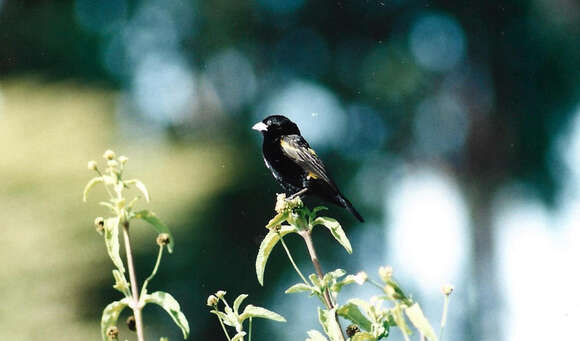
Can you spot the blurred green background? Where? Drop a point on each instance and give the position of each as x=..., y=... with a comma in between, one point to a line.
x=453, y=127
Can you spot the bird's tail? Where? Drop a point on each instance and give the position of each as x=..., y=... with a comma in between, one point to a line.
x=346, y=204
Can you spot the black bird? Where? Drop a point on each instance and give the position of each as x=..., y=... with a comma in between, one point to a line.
x=295, y=165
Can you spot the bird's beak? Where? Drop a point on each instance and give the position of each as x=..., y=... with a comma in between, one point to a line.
x=260, y=126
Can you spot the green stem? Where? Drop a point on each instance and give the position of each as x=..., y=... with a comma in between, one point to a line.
x=133, y=278
x=376, y=284
x=250, y=330
x=292, y=260
x=154, y=272
x=312, y=251
x=223, y=327
x=444, y=317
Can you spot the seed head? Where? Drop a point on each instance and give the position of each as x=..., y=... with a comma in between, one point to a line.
x=361, y=278
x=163, y=239
x=131, y=324
x=447, y=289
x=123, y=159
x=109, y=155
x=220, y=294
x=385, y=272
x=113, y=333
x=212, y=301
x=92, y=165
x=351, y=330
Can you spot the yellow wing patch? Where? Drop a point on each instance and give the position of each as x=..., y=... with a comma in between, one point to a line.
x=311, y=151
x=285, y=144
x=311, y=176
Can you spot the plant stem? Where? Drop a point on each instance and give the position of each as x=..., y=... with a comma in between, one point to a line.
x=133, y=278
x=444, y=317
x=312, y=251
x=223, y=327
x=250, y=330
x=154, y=272
x=376, y=284
x=292, y=260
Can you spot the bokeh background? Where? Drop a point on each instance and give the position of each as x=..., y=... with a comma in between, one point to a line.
x=453, y=126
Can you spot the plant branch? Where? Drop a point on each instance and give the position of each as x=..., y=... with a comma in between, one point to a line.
x=250, y=330
x=133, y=278
x=444, y=317
x=223, y=327
x=154, y=272
x=312, y=251
x=292, y=260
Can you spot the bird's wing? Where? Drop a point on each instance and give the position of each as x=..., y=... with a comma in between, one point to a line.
x=297, y=149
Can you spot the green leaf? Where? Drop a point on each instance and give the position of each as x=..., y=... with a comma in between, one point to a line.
x=336, y=229
x=397, y=314
x=418, y=319
x=277, y=220
x=300, y=287
x=266, y=248
x=157, y=224
x=329, y=324
x=225, y=318
x=111, y=315
x=90, y=185
x=140, y=186
x=253, y=311
x=351, y=312
x=239, y=336
x=315, y=335
x=112, y=242
x=363, y=336
x=171, y=306
x=239, y=301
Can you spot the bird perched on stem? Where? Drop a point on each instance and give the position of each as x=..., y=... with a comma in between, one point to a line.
x=295, y=165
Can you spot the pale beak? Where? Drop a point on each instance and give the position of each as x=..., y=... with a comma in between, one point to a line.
x=260, y=126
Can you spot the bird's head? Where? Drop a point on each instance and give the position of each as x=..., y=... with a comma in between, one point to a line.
x=276, y=125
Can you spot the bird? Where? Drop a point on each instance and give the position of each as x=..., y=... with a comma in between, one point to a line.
x=295, y=165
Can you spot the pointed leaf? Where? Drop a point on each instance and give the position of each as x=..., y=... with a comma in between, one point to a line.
x=172, y=307
x=112, y=242
x=351, y=312
x=253, y=311
x=239, y=336
x=397, y=314
x=157, y=224
x=266, y=248
x=140, y=186
x=300, y=287
x=315, y=335
x=336, y=229
x=90, y=185
x=329, y=324
x=239, y=301
x=121, y=283
x=111, y=315
x=418, y=319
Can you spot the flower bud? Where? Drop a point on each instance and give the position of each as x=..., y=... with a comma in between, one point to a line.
x=361, y=278
x=220, y=294
x=92, y=165
x=109, y=155
x=131, y=324
x=212, y=301
x=447, y=289
x=100, y=224
x=123, y=159
x=163, y=239
x=385, y=272
x=113, y=333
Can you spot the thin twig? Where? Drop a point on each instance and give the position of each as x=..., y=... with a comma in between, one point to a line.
x=133, y=279
x=250, y=330
x=223, y=327
x=292, y=259
x=154, y=272
x=444, y=317
x=312, y=251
